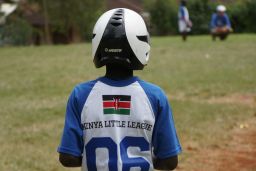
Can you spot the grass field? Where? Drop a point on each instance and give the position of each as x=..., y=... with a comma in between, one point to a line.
x=211, y=87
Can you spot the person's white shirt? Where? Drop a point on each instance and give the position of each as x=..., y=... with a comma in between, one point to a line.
x=183, y=19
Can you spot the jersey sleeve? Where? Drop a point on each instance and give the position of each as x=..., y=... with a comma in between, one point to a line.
x=182, y=13
x=72, y=138
x=227, y=21
x=165, y=141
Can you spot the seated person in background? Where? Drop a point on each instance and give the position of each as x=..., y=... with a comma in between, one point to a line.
x=220, y=23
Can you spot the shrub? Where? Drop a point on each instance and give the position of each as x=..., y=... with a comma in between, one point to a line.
x=163, y=16
x=16, y=31
x=200, y=12
x=251, y=16
x=243, y=15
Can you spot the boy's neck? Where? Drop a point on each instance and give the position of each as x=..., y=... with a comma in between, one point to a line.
x=117, y=72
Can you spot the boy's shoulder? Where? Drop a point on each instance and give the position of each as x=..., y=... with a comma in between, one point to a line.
x=151, y=89
x=155, y=94
x=86, y=84
x=84, y=87
x=149, y=85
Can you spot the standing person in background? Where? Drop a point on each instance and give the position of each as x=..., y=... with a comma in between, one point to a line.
x=183, y=20
x=220, y=24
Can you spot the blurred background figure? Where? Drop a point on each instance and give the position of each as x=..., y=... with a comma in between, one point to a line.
x=220, y=24
x=6, y=8
x=183, y=20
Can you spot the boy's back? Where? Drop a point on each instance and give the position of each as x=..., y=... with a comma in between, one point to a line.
x=121, y=121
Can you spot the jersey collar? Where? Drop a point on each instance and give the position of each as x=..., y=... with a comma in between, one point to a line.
x=119, y=83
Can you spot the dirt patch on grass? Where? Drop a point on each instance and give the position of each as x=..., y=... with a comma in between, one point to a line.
x=237, y=153
x=246, y=99
x=240, y=99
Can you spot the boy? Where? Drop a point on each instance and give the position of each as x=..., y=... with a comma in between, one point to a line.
x=119, y=122
x=183, y=20
x=220, y=24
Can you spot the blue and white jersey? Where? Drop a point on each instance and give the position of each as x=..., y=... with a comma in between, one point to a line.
x=119, y=125
x=183, y=13
x=220, y=21
x=183, y=19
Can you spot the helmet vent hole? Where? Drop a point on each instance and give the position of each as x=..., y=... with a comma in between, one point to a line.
x=115, y=24
x=117, y=18
x=143, y=38
x=118, y=14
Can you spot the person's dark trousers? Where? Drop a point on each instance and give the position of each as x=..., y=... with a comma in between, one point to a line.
x=184, y=36
x=222, y=36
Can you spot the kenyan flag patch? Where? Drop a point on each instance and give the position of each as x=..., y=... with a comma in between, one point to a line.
x=116, y=104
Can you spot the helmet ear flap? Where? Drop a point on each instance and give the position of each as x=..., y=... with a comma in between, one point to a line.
x=119, y=42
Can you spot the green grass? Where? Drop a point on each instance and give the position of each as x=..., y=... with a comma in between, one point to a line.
x=35, y=83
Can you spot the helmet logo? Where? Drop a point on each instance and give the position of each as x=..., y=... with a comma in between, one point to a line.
x=113, y=50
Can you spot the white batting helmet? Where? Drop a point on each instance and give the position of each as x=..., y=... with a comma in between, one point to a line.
x=221, y=8
x=120, y=36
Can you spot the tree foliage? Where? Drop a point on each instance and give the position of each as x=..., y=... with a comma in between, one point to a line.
x=243, y=15
x=163, y=15
x=16, y=32
x=200, y=12
x=75, y=14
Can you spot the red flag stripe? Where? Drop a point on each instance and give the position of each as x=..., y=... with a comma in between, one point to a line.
x=120, y=104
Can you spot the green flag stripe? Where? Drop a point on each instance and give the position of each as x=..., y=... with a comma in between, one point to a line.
x=118, y=111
